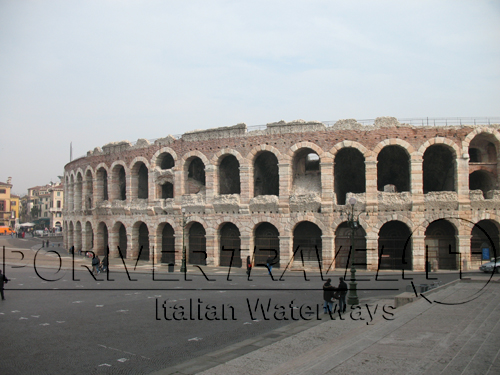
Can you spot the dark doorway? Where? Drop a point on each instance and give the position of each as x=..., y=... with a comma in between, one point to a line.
x=343, y=247
x=197, y=245
x=394, y=244
x=267, y=244
x=307, y=244
x=349, y=173
x=230, y=243
x=167, y=244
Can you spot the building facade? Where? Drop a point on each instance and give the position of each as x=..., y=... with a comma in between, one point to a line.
x=418, y=194
x=9, y=205
x=45, y=205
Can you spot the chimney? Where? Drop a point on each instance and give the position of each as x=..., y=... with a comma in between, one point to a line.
x=9, y=180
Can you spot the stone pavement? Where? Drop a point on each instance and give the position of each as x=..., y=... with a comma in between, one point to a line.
x=424, y=338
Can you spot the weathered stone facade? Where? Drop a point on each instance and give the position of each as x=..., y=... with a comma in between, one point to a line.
x=288, y=187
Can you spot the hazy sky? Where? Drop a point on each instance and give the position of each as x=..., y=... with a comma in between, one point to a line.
x=93, y=72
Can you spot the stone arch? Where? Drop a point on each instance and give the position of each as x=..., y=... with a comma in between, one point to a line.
x=440, y=245
x=368, y=154
x=119, y=173
x=102, y=239
x=393, y=171
x=345, y=254
x=301, y=145
x=306, y=171
x=440, y=141
x=194, y=167
x=439, y=167
x=395, y=246
x=349, y=173
x=166, y=233
x=88, y=189
x=161, y=151
x=282, y=158
x=101, y=176
x=480, y=130
x=228, y=174
x=78, y=237
x=197, y=243
x=307, y=242
x=139, y=171
x=266, y=244
x=119, y=235
x=266, y=174
x=409, y=149
x=229, y=245
x=484, y=235
x=89, y=236
x=140, y=240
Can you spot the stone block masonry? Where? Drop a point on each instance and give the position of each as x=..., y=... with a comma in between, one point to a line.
x=423, y=194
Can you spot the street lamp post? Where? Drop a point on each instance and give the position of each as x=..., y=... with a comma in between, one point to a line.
x=183, y=265
x=353, y=222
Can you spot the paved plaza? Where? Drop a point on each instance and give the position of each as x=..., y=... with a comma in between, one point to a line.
x=80, y=325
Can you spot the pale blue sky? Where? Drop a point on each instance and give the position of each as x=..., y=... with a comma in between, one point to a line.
x=93, y=72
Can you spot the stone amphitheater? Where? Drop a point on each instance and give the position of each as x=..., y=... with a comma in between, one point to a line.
x=420, y=193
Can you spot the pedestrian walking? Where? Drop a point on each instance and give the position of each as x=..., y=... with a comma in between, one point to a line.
x=328, y=296
x=47, y=243
x=3, y=280
x=104, y=263
x=342, y=289
x=249, y=265
x=269, y=263
x=95, y=264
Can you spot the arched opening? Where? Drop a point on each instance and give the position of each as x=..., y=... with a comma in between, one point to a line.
x=197, y=244
x=482, y=149
x=89, y=191
x=266, y=174
x=165, y=161
x=484, y=237
x=142, y=233
x=195, y=176
x=440, y=245
x=78, y=191
x=140, y=180
x=71, y=231
x=343, y=254
x=394, y=246
x=78, y=237
x=119, y=186
x=475, y=155
x=102, y=239
x=267, y=244
x=102, y=185
x=439, y=169
x=167, y=190
x=481, y=180
x=167, y=244
x=349, y=173
x=230, y=243
x=229, y=175
x=307, y=244
x=89, y=236
x=122, y=240
x=306, y=172
x=393, y=169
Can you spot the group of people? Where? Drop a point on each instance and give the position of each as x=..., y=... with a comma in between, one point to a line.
x=98, y=265
x=332, y=294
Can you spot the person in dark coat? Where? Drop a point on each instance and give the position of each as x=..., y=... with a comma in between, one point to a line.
x=95, y=264
x=104, y=263
x=249, y=265
x=342, y=289
x=328, y=295
x=3, y=280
